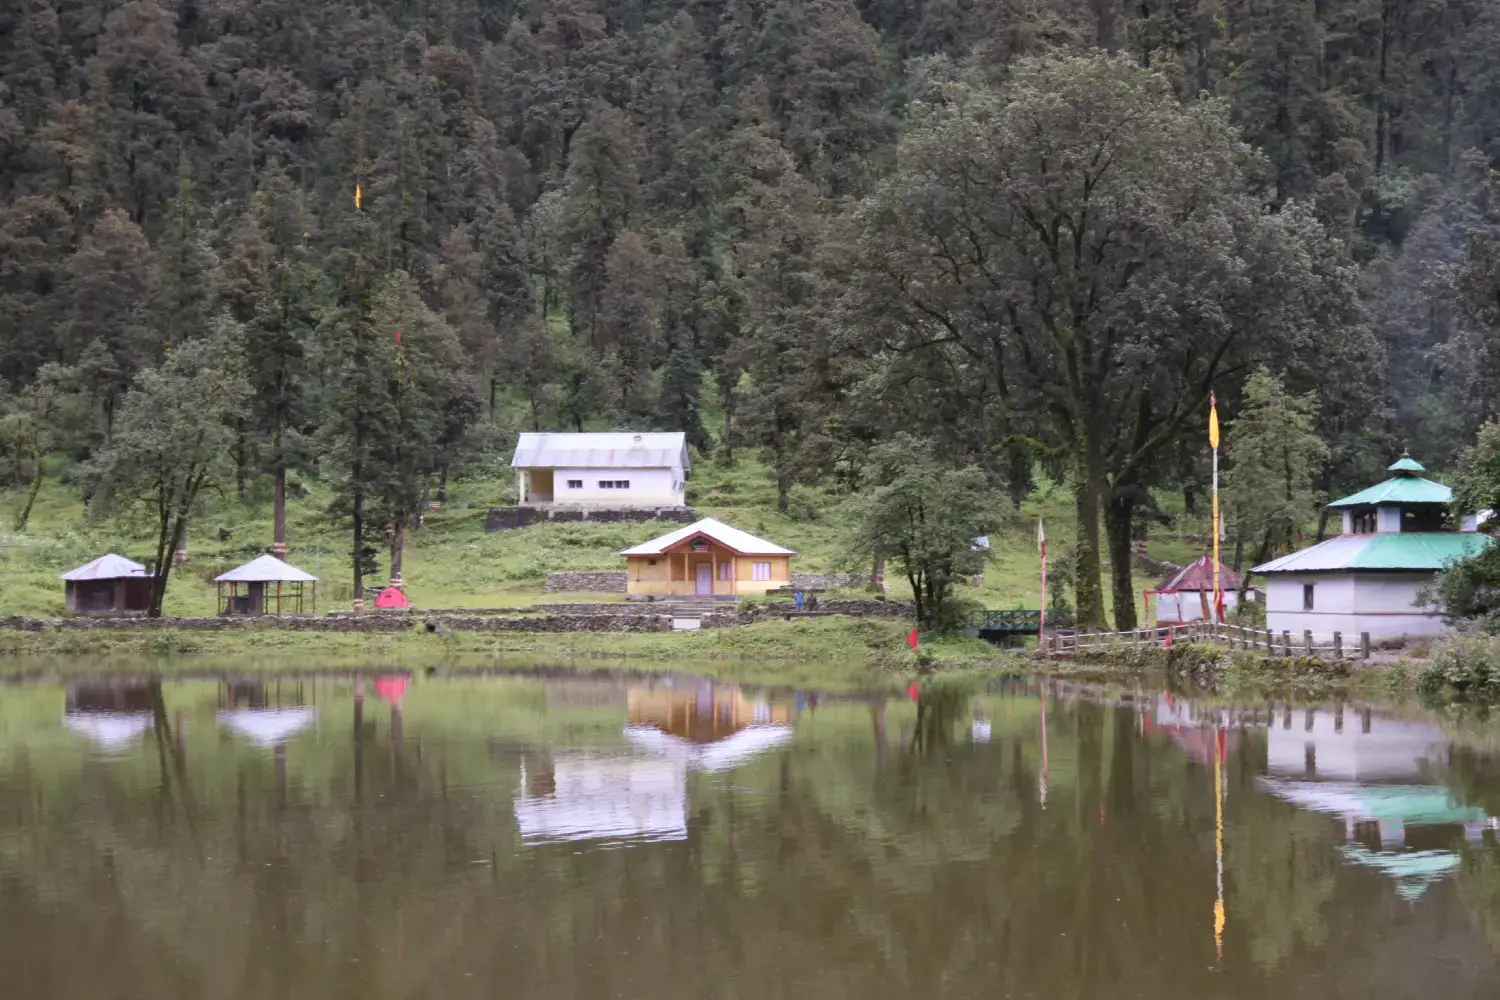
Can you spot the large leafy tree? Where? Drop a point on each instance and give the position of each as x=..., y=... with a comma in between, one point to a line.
x=1081, y=257
x=173, y=440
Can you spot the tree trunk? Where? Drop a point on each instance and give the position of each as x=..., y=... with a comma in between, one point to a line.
x=443, y=485
x=1086, y=587
x=398, y=546
x=278, y=515
x=24, y=514
x=359, y=541
x=167, y=541
x=1119, y=519
x=494, y=384
x=877, y=571
x=1260, y=557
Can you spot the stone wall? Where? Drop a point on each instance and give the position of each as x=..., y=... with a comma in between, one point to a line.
x=371, y=623
x=860, y=609
x=827, y=581
x=508, y=518
x=601, y=582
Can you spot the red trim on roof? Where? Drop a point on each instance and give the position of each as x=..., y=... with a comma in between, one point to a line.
x=690, y=539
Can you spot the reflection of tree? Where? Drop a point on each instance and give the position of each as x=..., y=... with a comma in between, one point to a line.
x=813, y=871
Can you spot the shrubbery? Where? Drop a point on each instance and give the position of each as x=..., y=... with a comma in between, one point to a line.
x=1466, y=666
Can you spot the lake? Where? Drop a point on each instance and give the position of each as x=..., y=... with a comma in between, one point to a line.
x=674, y=839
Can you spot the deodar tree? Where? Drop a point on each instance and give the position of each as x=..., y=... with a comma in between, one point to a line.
x=172, y=441
x=1079, y=257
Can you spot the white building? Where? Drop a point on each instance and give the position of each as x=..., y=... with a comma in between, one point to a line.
x=1188, y=594
x=1368, y=578
x=602, y=469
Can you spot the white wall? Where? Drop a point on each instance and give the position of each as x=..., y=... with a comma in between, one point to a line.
x=1187, y=605
x=1383, y=605
x=1388, y=518
x=1393, y=749
x=647, y=487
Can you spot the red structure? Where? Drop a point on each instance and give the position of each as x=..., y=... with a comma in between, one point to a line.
x=1188, y=594
x=392, y=598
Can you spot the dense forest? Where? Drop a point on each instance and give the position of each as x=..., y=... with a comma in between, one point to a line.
x=246, y=238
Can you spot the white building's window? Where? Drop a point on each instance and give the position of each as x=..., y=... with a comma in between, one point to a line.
x=762, y=571
x=1307, y=597
x=614, y=484
x=726, y=571
x=575, y=484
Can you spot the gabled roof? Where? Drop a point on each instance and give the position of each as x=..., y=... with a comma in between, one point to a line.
x=106, y=567
x=741, y=542
x=1392, y=550
x=616, y=450
x=267, y=727
x=1199, y=575
x=266, y=569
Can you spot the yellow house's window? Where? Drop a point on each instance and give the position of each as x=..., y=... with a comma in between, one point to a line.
x=761, y=571
x=726, y=571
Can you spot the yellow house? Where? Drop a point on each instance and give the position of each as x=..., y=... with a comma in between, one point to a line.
x=707, y=559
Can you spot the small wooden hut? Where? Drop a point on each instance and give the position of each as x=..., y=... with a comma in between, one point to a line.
x=267, y=586
x=110, y=585
x=707, y=559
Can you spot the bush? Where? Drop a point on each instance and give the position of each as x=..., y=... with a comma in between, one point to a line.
x=803, y=504
x=1250, y=614
x=1466, y=667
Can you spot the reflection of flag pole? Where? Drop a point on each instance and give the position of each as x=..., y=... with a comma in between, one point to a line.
x=1219, y=843
x=1041, y=627
x=1043, y=693
x=1213, y=442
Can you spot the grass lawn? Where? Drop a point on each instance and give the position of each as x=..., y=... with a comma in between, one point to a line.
x=453, y=562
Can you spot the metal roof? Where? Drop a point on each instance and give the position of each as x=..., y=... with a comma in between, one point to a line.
x=1391, y=550
x=266, y=569
x=106, y=567
x=742, y=542
x=1199, y=575
x=616, y=450
x=268, y=727
x=1399, y=490
x=1405, y=464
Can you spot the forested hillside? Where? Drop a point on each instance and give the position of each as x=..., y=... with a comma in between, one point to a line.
x=242, y=239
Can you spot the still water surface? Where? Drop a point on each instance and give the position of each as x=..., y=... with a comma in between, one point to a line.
x=675, y=840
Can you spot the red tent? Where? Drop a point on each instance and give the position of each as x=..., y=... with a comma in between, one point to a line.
x=392, y=597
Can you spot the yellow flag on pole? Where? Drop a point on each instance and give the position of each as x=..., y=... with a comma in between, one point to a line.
x=357, y=196
x=1213, y=422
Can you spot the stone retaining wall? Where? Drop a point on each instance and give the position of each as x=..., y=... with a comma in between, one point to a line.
x=510, y=518
x=371, y=623
x=860, y=609
x=827, y=581
x=603, y=582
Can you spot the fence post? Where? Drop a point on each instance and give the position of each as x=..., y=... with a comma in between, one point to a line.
x=1364, y=645
x=1307, y=642
x=1286, y=642
x=1338, y=645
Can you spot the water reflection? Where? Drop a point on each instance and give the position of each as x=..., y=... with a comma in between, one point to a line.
x=413, y=836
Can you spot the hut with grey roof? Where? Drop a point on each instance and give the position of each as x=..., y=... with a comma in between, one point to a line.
x=267, y=586
x=110, y=585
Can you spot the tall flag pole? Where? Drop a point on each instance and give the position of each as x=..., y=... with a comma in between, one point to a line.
x=1213, y=442
x=1041, y=547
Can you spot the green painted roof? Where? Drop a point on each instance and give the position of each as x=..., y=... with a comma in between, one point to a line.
x=1395, y=550
x=1399, y=490
x=1405, y=464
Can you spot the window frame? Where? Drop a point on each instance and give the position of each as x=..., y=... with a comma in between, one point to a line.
x=575, y=484
x=726, y=572
x=758, y=568
x=1309, y=596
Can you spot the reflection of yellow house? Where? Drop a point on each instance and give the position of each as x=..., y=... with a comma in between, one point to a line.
x=707, y=559
x=704, y=715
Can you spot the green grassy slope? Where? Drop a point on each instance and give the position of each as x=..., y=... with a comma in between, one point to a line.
x=453, y=562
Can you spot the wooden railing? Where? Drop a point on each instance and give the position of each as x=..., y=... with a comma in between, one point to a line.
x=1336, y=646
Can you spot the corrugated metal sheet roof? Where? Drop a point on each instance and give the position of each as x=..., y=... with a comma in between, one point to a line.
x=1400, y=489
x=742, y=542
x=1405, y=464
x=1199, y=575
x=106, y=567
x=266, y=569
x=1395, y=550
x=622, y=450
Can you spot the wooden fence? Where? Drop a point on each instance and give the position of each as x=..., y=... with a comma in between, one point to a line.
x=1336, y=646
